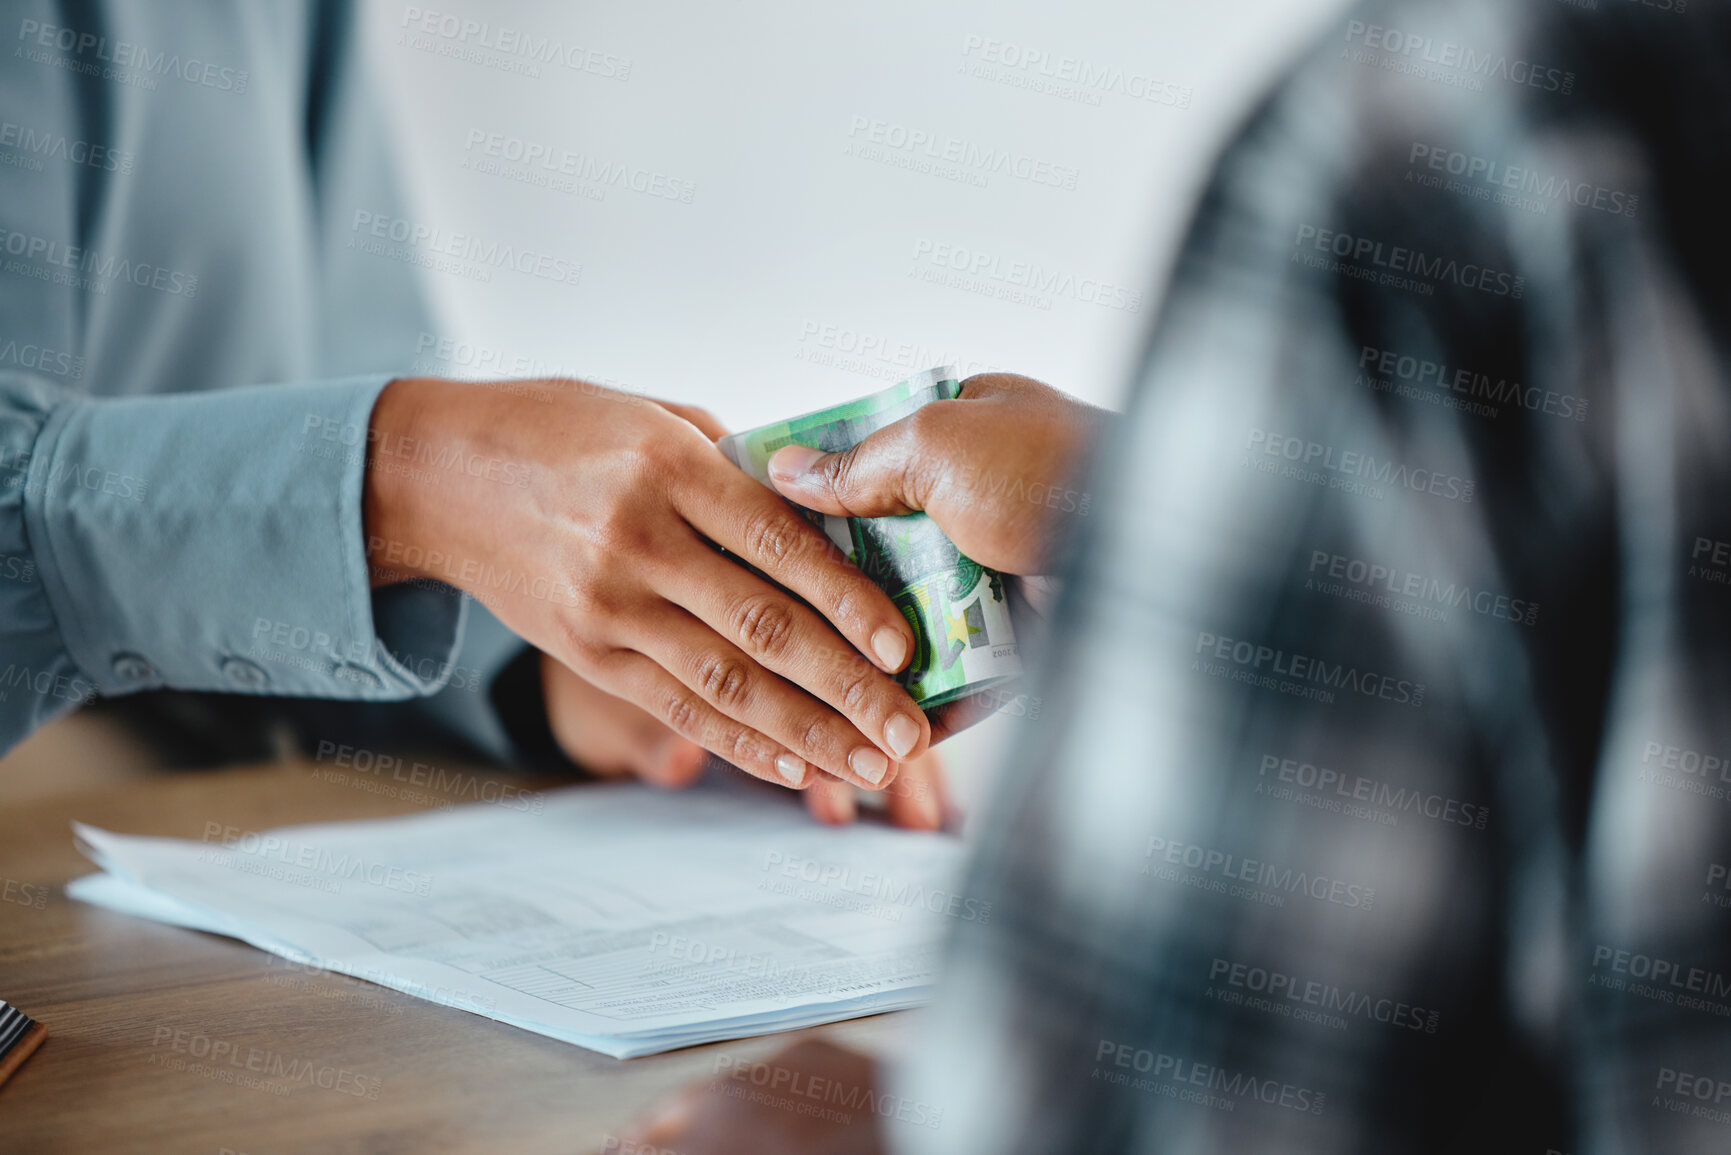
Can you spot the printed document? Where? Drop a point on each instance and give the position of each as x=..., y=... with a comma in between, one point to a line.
x=615, y=917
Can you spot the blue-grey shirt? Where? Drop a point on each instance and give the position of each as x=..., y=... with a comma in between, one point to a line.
x=191, y=344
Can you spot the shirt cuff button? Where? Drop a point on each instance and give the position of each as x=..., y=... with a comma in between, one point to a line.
x=133, y=668
x=244, y=674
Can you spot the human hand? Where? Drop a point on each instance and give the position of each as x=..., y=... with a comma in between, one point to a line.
x=611, y=738
x=724, y=1117
x=583, y=518
x=995, y=468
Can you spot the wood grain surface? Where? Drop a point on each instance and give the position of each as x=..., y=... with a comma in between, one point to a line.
x=113, y=991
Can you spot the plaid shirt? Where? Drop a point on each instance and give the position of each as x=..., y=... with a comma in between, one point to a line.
x=1380, y=798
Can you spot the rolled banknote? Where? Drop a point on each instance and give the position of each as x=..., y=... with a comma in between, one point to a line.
x=959, y=609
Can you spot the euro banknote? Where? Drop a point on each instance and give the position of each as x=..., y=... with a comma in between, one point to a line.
x=959, y=610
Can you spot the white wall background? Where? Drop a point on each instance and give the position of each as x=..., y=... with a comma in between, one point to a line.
x=784, y=284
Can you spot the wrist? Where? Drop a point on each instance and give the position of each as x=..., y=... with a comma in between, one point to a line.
x=392, y=500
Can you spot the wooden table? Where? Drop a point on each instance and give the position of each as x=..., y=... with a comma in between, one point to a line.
x=113, y=990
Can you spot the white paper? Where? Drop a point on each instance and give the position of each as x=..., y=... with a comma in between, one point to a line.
x=618, y=918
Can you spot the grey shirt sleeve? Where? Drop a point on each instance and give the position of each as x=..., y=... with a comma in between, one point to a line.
x=202, y=542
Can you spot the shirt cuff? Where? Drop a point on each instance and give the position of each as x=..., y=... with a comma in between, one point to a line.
x=213, y=541
x=38, y=678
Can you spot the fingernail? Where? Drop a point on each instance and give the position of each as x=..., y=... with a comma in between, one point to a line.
x=869, y=764
x=891, y=647
x=790, y=465
x=901, y=732
x=790, y=768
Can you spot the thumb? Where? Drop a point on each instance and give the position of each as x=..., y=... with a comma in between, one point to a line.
x=876, y=478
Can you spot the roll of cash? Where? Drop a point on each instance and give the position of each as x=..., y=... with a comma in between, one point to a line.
x=959, y=610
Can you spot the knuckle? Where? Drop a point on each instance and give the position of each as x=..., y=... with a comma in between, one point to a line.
x=588, y=603
x=724, y=681
x=682, y=713
x=921, y=478
x=770, y=538
x=848, y=601
x=921, y=471
x=839, y=471
x=814, y=739
x=669, y=457
x=621, y=532
x=920, y=422
x=929, y=425
x=652, y=456
x=764, y=624
x=649, y=442
x=582, y=648
x=856, y=684
x=742, y=746
x=634, y=454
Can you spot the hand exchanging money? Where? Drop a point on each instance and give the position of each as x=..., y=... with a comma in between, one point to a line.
x=997, y=468
x=611, y=738
x=583, y=518
x=964, y=638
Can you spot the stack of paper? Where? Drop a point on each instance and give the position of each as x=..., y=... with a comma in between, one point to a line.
x=617, y=918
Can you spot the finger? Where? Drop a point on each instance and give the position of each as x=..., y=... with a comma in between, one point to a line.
x=983, y=385
x=790, y=639
x=635, y=676
x=673, y=763
x=831, y=801
x=890, y=473
x=917, y=799
x=952, y=718
x=731, y=682
x=610, y=737
x=737, y=513
x=664, y=1122
x=702, y=418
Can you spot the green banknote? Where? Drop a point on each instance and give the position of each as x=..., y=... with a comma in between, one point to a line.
x=959, y=609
